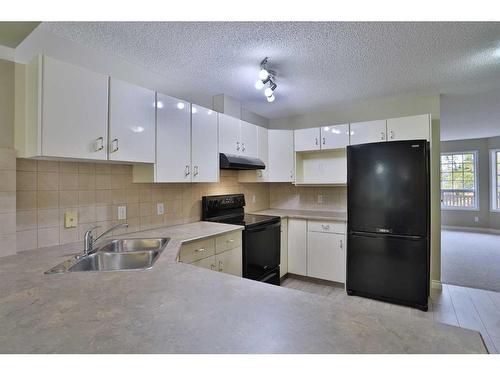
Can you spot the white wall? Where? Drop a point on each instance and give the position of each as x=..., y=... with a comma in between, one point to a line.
x=470, y=116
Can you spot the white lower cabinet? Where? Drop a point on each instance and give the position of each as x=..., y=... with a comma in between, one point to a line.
x=284, y=247
x=222, y=253
x=325, y=256
x=297, y=246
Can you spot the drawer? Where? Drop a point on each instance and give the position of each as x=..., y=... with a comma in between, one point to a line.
x=194, y=251
x=228, y=242
x=326, y=226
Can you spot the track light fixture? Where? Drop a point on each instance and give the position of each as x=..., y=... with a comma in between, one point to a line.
x=266, y=77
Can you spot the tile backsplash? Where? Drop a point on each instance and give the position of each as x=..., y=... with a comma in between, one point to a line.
x=288, y=196
x=48, y=189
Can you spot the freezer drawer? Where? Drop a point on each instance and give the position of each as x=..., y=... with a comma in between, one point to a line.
x=389, y=268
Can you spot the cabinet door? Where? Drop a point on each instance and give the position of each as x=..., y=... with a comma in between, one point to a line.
x=173, y=140
x=229, y=134
x=74, y=111
x=260, y=175
x=284, y=248
x=408, y=128
x=307, y=139
x=280, y=156
x=208, y=263
x=249, y=139
x=335, y=136
x=368, y=132
x=204, y=145
x=325, y=256
x=230, y=262
x=297, y=247
x=131, y=122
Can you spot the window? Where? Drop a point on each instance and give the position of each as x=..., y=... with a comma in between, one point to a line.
x=459, y=180
x=495, y=180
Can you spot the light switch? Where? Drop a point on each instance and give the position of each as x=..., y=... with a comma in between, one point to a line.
x=160, y=209
x=70, y=219
x=122, y=212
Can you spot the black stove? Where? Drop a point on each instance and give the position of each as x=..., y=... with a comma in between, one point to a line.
x=261, y=236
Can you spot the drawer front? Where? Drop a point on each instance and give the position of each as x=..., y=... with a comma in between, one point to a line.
x=194, y=251
x=228, y=242
x=326, y=226
x=208, y=263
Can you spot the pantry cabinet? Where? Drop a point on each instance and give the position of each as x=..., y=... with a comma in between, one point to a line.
x=297, y=246
x=408, y=128
x=131, y=123
x=66, y=112
x=368, y=132
x=237, y=137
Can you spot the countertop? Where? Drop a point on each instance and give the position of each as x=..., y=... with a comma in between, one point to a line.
x=179, y=308
x=305, y=214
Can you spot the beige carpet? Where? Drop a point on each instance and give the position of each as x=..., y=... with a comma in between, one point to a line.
x=470, y=259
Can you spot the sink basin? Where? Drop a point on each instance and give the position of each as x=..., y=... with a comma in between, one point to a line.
x=116, y=255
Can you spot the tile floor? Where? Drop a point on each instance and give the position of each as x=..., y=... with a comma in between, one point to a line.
x=475, y=309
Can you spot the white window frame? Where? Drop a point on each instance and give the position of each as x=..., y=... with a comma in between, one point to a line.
x=476, y=181
x=493, y=180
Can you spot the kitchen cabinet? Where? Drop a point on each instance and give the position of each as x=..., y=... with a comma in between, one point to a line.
x=204, y=145
x=131, y=123
x=297, y=246
x=66, y=112
x=334, y=136
x=368, y=132
x=325, y=256
x=280, y=156
x=410, y=127
x=222, y=253
x=237, y=137
x=249, y=139
x=260, y=175
x=284, y=247
x=307, y=139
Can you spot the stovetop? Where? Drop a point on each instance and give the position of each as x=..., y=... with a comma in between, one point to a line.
x=247, y=220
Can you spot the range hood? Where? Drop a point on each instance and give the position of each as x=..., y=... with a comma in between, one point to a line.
x=231, y=161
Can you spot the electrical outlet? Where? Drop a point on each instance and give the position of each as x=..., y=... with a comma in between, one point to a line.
x=254, y=199
x=122, y=212
x=320, y=198
x=70, y=219
x=160, y=209
x=476, y=219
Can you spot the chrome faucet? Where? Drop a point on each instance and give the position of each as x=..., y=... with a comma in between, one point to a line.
x=89, y=240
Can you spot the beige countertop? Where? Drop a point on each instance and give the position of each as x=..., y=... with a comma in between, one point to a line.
x=305, y=214
x=179, y=308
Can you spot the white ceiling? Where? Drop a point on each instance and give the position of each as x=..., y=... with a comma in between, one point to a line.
x=317, y=64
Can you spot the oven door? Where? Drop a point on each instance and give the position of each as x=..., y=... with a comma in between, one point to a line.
x=261, y=250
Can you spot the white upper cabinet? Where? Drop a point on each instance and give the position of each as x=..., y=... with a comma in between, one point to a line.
x=334, y=136
x=173, y=138
x=280, y=159
x=131, y=123
x=66, y=112
x=248, y=139
x=229, y=135
x=407, y=128
x=307, y=139
x=204, y=145
x=260, y=175
x=368, y=132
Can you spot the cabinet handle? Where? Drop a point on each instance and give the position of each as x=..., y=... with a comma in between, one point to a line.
x=325, y=226
x=221, y=266
x=243, y=147
x=341, y=244
x=230, y=241
x=187, y=171
x=237, y=146
x=195, y=170
x=382, y=136
x=316, y=141
x=291, y=174
x=323, y=140
x=392, y=134
x=212, y=267
x=99, y=144
x=200, y=250
x=114, y=145
x=259, y=173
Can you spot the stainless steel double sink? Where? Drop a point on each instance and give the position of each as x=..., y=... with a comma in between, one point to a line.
x=116, y=255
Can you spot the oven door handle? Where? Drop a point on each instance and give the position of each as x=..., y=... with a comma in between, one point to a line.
x=263, y=227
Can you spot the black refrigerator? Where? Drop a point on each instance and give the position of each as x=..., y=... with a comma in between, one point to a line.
x=388, y=222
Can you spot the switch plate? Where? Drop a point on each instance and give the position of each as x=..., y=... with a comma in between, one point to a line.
x=254, y=199
x=320, y=198
x=122, y=212
x=70, y=219
x=160, y=209
x=476, y=219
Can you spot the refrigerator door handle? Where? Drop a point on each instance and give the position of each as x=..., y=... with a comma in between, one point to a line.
x=382, y=235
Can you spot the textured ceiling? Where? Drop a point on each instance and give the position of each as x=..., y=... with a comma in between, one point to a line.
x=13, y=33
x=317, y=64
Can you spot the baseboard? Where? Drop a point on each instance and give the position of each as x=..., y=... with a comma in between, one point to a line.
x=471, y=229
x=436, y=284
